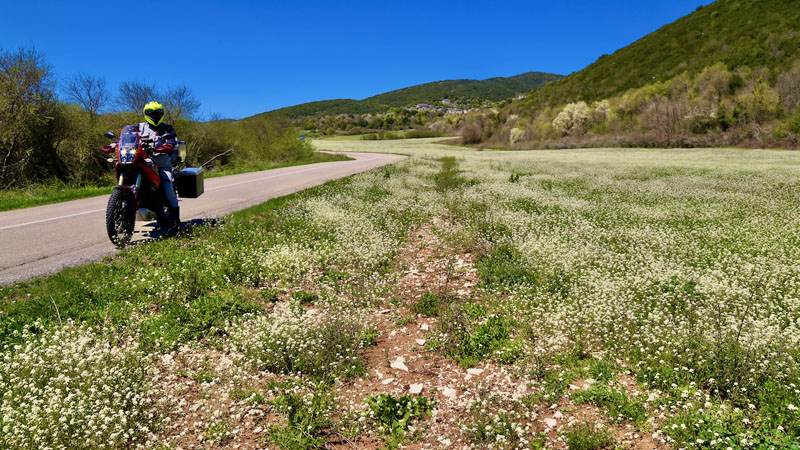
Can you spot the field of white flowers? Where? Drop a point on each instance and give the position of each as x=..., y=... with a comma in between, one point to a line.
x=644, y=294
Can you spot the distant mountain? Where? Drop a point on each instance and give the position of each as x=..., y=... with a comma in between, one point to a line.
x=752, y=33
x=494, y=89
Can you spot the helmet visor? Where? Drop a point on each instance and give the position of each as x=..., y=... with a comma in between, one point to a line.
x=155, y=115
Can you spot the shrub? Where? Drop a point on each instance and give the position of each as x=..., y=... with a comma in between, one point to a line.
x=516, y=135
x=428, y=305
x=323, y=348
x=471, y=132
x=572, y=118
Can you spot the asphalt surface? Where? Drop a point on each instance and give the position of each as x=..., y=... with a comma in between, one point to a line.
x=42, y=240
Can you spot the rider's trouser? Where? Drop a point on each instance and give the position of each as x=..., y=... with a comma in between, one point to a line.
x=167, y=177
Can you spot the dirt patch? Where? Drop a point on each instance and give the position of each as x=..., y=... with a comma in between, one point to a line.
x=211, y=393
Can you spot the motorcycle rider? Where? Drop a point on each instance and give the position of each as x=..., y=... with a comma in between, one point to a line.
x=164, y=139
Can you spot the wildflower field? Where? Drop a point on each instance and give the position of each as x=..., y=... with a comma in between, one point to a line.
x=571, y=299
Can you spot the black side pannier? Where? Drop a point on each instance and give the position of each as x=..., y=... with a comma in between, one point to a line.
x=190, y=182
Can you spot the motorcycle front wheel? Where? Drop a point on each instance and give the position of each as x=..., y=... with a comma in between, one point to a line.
x=120, y=218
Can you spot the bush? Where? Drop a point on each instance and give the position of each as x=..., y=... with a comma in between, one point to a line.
x=516, y=135
x=471, y=132
x=572, y=118
x=322, y=348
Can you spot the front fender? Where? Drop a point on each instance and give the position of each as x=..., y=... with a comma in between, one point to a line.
x=130, y=192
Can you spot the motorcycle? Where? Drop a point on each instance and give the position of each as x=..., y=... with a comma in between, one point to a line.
x=139, y=188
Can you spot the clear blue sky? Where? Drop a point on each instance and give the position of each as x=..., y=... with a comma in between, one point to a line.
x=241, y=58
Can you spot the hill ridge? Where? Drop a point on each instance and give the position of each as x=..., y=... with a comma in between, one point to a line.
x=493, y=89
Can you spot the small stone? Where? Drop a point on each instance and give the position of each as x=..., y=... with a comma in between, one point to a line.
x=551, y=423
x=558, y=415
x=224, y=363
x=474, y=371
x=400, y=364
x=449, y=392
x=258, y=430
x=420, y=341
x=415, y=388
x=424, y=327
x=385, y=311
x=574, y=387
x=386, y=381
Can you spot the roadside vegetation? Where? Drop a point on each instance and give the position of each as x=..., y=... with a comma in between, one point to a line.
x=556, y=299
x=53, y=133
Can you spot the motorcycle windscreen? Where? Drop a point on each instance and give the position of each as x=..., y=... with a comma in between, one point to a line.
x=128, y=143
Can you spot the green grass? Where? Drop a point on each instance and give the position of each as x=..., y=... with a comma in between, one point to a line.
x=392, y=135
x=99, y=292
x=43, y=194
x=618, y=405
x=588, y=437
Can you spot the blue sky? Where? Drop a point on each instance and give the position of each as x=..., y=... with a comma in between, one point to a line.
x=241, y=58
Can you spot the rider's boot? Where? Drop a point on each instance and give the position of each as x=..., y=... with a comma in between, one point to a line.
x=175, y=215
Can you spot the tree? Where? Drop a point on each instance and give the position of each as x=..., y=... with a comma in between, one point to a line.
x=572, y=118
x=88, y=92
x=133, y=95
x=27, y=107
x=181, y=102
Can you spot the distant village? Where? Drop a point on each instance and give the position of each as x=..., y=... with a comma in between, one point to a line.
x=450, y=107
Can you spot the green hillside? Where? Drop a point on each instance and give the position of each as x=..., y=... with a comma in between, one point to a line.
x=494, y=89
x=329, y=107
x=753, y=33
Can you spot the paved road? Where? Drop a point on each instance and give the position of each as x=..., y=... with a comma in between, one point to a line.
x=39, y=241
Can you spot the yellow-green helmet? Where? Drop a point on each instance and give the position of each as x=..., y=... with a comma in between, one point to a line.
x=153, y=113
